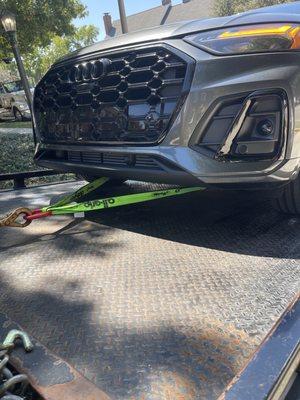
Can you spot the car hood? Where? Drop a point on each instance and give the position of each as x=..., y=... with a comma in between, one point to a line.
x=289, y=12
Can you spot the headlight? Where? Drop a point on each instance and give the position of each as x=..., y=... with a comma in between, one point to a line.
x=249, y=39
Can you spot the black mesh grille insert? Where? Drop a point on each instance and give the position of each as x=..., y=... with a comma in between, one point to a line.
x=128, y=97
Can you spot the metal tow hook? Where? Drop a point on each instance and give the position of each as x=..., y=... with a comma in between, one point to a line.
x=11, y=219
x=10, y=383
x=3, y=362
x=12, y=336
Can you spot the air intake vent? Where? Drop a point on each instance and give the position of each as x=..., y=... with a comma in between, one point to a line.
x=114, y=159
x=246, y=127
x=220, y=124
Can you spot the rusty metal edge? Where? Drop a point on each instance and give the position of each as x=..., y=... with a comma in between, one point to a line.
x=254, y=386
x=52, y=377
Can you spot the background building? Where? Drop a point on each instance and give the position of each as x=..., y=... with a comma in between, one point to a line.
x=166, y=13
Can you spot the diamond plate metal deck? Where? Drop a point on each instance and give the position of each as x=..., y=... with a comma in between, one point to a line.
x=157, y=301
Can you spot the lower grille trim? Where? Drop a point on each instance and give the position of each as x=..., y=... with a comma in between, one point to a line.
x=114, y=159
x=166, y=172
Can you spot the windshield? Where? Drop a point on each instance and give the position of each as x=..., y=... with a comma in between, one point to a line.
x=13, y=86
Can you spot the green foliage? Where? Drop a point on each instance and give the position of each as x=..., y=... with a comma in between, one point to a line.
x=229, y=7
x=39, y=20
x=16, y=124
x=7, y=73
x=41, y=58
x=16, y=155
x=17, y=152
x=83, y=36
x=45, y=33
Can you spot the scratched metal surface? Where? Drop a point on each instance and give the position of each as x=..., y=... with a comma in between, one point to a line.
x=160, y=301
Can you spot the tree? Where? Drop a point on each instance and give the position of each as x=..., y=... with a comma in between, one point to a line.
x=229, y=7
x=7, y=73
x=39, y=20
x=41, y=58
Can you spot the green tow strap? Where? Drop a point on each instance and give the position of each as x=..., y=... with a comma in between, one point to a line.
x=84, y=190
x=69, y=204
x=64, y=207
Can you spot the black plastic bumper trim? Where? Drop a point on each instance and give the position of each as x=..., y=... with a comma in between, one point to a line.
x=156, y=176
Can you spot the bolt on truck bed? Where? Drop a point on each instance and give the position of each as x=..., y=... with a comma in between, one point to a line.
x=154, y=301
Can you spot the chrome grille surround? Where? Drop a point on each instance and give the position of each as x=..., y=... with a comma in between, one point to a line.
x=121, y=97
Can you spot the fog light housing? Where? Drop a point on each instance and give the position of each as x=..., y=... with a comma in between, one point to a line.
x=265, y=127
x=245, y=127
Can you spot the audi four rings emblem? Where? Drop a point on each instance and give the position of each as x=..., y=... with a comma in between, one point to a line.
x=87, y=71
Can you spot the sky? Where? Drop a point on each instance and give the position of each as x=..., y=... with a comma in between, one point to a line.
x=97, y=8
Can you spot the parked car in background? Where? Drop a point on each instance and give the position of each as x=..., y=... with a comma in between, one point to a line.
x=13, y=102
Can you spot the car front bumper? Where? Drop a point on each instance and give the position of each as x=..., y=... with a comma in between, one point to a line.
x=179, y=162
x=191, y=169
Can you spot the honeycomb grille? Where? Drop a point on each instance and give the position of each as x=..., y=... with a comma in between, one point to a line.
x=129, y=97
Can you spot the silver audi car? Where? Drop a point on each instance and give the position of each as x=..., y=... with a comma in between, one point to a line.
x=212, y=102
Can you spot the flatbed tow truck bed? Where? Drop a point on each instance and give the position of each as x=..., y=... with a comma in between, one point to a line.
x=165, y=300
